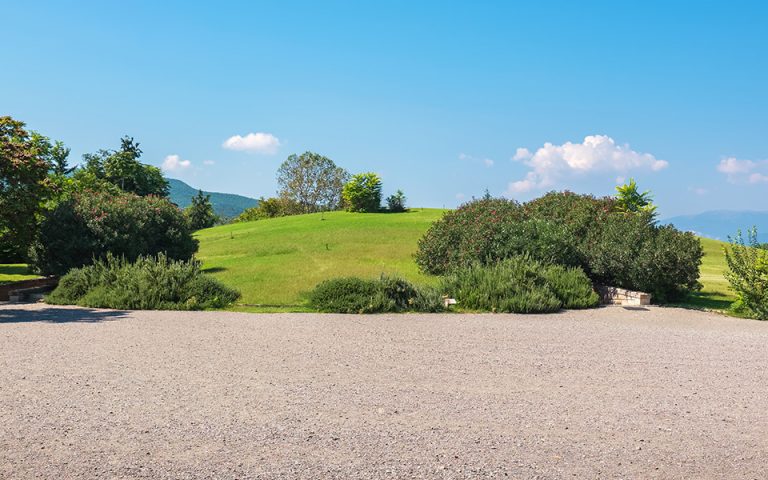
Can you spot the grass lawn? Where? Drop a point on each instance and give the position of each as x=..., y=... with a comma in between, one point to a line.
x=275, y=262
x=14, y=272
x=717, y=293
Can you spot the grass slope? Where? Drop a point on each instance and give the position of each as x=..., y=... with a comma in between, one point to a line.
x=274, y=262
x=14, y=273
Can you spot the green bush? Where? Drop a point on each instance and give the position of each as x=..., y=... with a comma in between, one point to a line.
x=488, y=230
x=387, y=294
x=91, y=224
x=520, y=285
x=748, y=275
x=362, y=193
x=270, y=208
x=149, y=283
x=621, y=249
x=396, y=202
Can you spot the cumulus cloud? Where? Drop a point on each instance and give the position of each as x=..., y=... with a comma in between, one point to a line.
x=550, y=163
x=744, y=171
x=258, y=142
x=174, y=163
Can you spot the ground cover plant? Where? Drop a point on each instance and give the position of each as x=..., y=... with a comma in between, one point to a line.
x=520, y=284
x=148, y=283
x=383, y=295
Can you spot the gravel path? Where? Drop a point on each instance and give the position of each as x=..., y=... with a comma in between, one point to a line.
x=607, y=393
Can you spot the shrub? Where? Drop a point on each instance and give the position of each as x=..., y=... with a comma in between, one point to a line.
x=149, y=283
x=387, y=294
x=396, y=202
x=488, y=230
x=520, y=285
x=362, y=193
x=622, y=249
x=90, y=224
x=270, y=208
x=748, y=275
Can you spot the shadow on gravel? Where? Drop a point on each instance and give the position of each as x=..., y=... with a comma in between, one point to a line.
x=59, y=315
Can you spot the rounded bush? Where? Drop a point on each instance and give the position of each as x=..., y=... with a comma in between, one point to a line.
x=91, y=224
x=387, y=294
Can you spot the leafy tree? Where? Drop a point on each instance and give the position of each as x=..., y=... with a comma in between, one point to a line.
x=396, y=202
x=200, y=213
x=363, y=193
x=630, y=200
x=748, y=275
x=270, y=208
x=312, y=181
x=122, y=168
x=24, y=186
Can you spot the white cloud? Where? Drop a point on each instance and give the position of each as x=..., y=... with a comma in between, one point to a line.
x=485, y=161
x=174, y=163
x=209, y=162
x=744, y=171
x=550, y=163
x=258, y=142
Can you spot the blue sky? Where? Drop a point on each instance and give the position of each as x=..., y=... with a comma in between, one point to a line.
x=443, y=99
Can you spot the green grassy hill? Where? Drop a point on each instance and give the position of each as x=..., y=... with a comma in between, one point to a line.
x=275, y=261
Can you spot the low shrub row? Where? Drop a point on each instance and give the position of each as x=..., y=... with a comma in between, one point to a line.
x=383, y=295
x=148, y=283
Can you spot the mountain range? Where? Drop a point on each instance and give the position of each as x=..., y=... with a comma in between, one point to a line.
x=721, y=224
x=226, y=205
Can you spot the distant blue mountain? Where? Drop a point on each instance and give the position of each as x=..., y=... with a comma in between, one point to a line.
x=226, y=205
x=721, y=224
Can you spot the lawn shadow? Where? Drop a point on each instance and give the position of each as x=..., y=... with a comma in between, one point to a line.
x=59, y=315
x=214, y=270
x=14, y=270
x=707, y=301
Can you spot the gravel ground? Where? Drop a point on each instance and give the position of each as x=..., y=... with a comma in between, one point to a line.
x=607, y=393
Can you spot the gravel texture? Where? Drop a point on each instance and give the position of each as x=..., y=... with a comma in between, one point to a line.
x=607, y=393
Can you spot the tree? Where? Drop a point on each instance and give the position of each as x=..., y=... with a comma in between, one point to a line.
x=630, y=200
x=396, y=202
x=200, y=213
x=311, y=180
x=24, y=186
x=363, y=193
x=122, y=168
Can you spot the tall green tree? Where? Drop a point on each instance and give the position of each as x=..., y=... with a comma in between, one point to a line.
x=24, y=186
x=200, y=212
x=123, y=169
x=363, y=193
x=312, y=181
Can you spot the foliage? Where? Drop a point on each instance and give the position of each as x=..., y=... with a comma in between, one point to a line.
x=630, y=200
x=148, y=283
x=24, y=186
x=614, y=248
x=396, y=202
x=312, y=181
x=748, y=274
x=362, y=193
x=200, y=213
x=387, y=294
x=488, y=230
x=270, y=208
x=123, y=169
x=520, y=284
x=88, y=225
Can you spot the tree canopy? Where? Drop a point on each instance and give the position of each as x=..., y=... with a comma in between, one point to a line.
x=313, y=181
